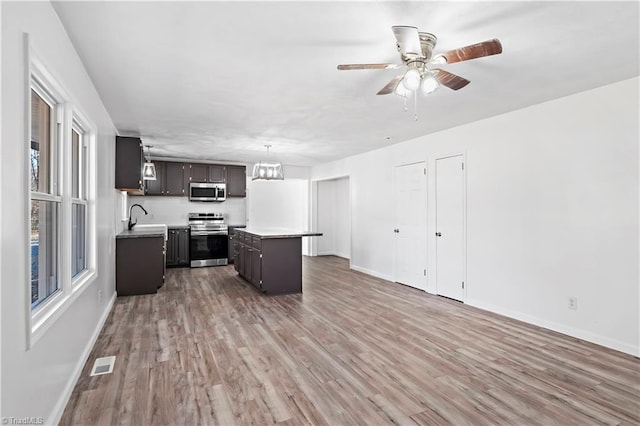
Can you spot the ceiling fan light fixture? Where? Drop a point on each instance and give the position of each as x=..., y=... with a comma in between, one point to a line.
x=429, y=84
x=400, y=90
x=411, y=79
x=439, y=60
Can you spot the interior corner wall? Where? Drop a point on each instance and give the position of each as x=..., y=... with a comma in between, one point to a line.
x=333, y=218
x=36, y=382
x=342, y=241
x=552, y=211
x=326, y=217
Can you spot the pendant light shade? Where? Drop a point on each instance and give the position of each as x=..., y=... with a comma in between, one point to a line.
x=149, y=169
x=267, y=171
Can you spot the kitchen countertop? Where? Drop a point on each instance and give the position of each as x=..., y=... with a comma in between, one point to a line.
x=144, y=231
x=280, y=233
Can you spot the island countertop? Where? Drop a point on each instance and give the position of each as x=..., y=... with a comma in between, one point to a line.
x=265, y=233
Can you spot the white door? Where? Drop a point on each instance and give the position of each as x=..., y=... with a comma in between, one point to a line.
x=450, y=238
x=411, y=225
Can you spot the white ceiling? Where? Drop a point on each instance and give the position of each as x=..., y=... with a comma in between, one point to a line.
x=219, y=80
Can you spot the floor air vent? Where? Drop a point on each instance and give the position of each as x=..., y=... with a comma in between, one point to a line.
x=103, y=365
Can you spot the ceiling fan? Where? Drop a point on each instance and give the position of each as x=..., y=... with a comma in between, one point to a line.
x=416, y=49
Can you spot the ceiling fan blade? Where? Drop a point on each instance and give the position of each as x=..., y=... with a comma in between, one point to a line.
x=408, y=40
x=452, y=81
x=391, y=86
x=346, y=67
x=478, y=50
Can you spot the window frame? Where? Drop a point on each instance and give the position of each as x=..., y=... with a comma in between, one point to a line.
x=83, y=186
x=53, y=99
x=68, y=115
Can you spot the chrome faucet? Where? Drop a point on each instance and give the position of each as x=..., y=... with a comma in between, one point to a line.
x=132, y=224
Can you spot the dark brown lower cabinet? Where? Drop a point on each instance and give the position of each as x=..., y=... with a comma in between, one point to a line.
x=237, y=257
x=139, y=265
x=178, y=246
x=272, y=265
x=246, y=264
x=256, y=268
x=233, y=244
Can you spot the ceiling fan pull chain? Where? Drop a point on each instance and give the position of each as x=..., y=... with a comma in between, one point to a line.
x=415, y=105
x=405, y=104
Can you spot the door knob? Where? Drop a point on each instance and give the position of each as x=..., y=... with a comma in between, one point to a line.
x=438, y=234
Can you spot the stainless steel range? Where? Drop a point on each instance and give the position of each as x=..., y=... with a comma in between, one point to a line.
x=209, y=242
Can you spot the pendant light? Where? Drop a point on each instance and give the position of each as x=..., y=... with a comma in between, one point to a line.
x=149, y=169
x=267, y=171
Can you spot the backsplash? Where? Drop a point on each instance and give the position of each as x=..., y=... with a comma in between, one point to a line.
x=174, y=211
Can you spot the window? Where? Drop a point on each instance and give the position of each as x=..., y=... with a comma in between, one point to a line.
x=61, y=168
x=45, y=202
x=78, y=200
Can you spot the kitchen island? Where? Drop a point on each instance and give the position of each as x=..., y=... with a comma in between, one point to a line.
x=270, y=259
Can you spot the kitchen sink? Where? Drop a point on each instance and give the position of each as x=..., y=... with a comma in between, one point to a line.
x=151, y=227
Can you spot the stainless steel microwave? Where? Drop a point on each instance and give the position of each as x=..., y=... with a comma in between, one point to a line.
x=200, y=191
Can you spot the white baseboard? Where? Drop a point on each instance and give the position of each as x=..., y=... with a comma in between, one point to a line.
x=332, y=253
x=343, y=255
x=560, y=328
x=58, y=410
x=372, y=272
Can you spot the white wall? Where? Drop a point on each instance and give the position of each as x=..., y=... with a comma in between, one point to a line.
x=281, y=204
x=333, y=218
x=552, y=211
x=36, y=382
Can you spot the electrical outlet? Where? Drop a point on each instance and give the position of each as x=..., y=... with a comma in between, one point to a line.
x=573, y=303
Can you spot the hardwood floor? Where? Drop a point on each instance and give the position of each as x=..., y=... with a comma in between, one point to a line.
x=353, y=349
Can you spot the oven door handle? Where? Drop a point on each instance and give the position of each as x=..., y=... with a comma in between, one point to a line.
x=205, y=233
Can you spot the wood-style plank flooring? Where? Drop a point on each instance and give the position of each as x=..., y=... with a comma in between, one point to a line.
x=352, y=349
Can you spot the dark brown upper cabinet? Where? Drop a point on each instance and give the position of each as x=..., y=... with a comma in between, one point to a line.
x=169, y=180
x=199, y=172
x=156, y=187
x=207, y=172
x=129, y=162
x=217, y=173
x=236, y=181
x=174, y=179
